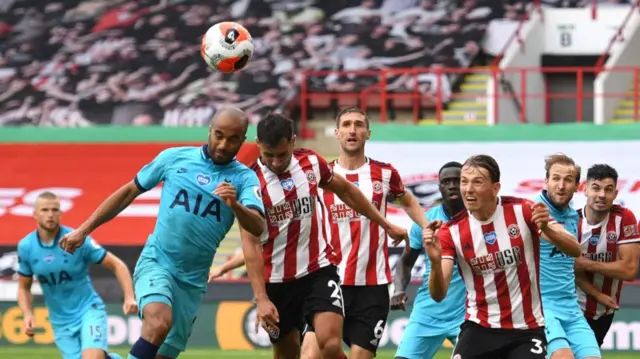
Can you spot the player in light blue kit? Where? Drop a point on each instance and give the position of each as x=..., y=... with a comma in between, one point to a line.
x=568, y=333
x=204, y=189
x=76, y=311
x=430, y=323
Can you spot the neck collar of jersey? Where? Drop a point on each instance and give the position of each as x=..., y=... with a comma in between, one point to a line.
x=56, y=239
x=204, y=152
x=444, y=211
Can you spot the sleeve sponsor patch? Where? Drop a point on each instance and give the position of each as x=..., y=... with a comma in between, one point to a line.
x=630, y=230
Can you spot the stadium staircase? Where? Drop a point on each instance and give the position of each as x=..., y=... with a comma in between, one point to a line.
x=468, y=105
x=227, y=249
x=624, y=112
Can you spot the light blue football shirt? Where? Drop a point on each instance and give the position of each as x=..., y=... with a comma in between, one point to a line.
x=64, y=277
x=557, y=279
x=450, y=312
x=192, y=221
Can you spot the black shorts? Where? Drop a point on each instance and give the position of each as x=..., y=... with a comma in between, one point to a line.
x=299, y=299
x=601, y=326
x=476, y=342
x=366, y=309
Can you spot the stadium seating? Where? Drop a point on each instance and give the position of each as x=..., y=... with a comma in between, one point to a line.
x=87, y=62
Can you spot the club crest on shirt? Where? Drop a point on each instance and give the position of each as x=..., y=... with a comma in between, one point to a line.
x=514, y=231
x=594, y=239
x=377, y=187
x=490, y=237
x=612, y=237
x=311, y=177
x=203, y=179
x=48, y=258
x=287, y=184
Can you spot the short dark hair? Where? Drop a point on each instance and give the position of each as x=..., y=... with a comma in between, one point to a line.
x=561, y=158
x=452, y=164
x=488, y=163
x=352, y=109
x=602, y=171
x=274, y=128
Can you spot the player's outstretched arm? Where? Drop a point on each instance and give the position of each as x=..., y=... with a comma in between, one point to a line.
x=441, y=252
x=403, y=277
x=252, y=250
x=111, y=207
x=554, y=232
x=234, y=262
x=625, y=268
x=586, y=286
x=25, y=302
x=122, y=273
x=414, y=211
x=353, y=198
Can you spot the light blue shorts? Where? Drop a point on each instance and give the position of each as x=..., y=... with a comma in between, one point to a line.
x=154, y=284
x=570, y=332
x=89, y=333
x=419, y=342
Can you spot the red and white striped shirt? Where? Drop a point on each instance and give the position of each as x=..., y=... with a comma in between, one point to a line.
x=600, y=243
x=295, y=242
x=360, y=244
x=499, y=260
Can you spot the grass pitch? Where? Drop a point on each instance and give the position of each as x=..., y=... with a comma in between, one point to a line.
x=15, y=352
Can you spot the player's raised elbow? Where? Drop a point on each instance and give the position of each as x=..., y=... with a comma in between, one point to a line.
x=256, y=230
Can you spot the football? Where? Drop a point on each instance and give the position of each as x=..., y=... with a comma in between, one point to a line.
x=227, y=47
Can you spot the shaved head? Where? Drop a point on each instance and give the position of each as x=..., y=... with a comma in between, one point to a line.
x=227, y=133
x=231, y=114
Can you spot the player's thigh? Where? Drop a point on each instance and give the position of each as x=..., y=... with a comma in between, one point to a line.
x=367, y=308
x=94, y=329
x=323, y=305
x=557, y=340
x=152, y=284
x=187, y=302
x=288, y=300
x=530, y=344
x=582, y=339
x=417, y=344
x=68, y=341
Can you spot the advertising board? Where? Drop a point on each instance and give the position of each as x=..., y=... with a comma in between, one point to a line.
x=230, y=326
x=521, y=166
x=82, y=175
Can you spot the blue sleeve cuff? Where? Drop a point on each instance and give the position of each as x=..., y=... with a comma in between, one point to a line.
x=140, y=186
x=102, y=257
x=257, y=208
x=25, y=275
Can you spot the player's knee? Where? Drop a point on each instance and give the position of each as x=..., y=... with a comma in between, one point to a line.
x=157, y=322
x=331, y=347
x=310, y=348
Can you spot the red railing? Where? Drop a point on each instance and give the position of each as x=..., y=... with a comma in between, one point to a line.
x=619, y=35
x=378, y=96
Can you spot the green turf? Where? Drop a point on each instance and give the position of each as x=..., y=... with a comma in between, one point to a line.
x=51, y=353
